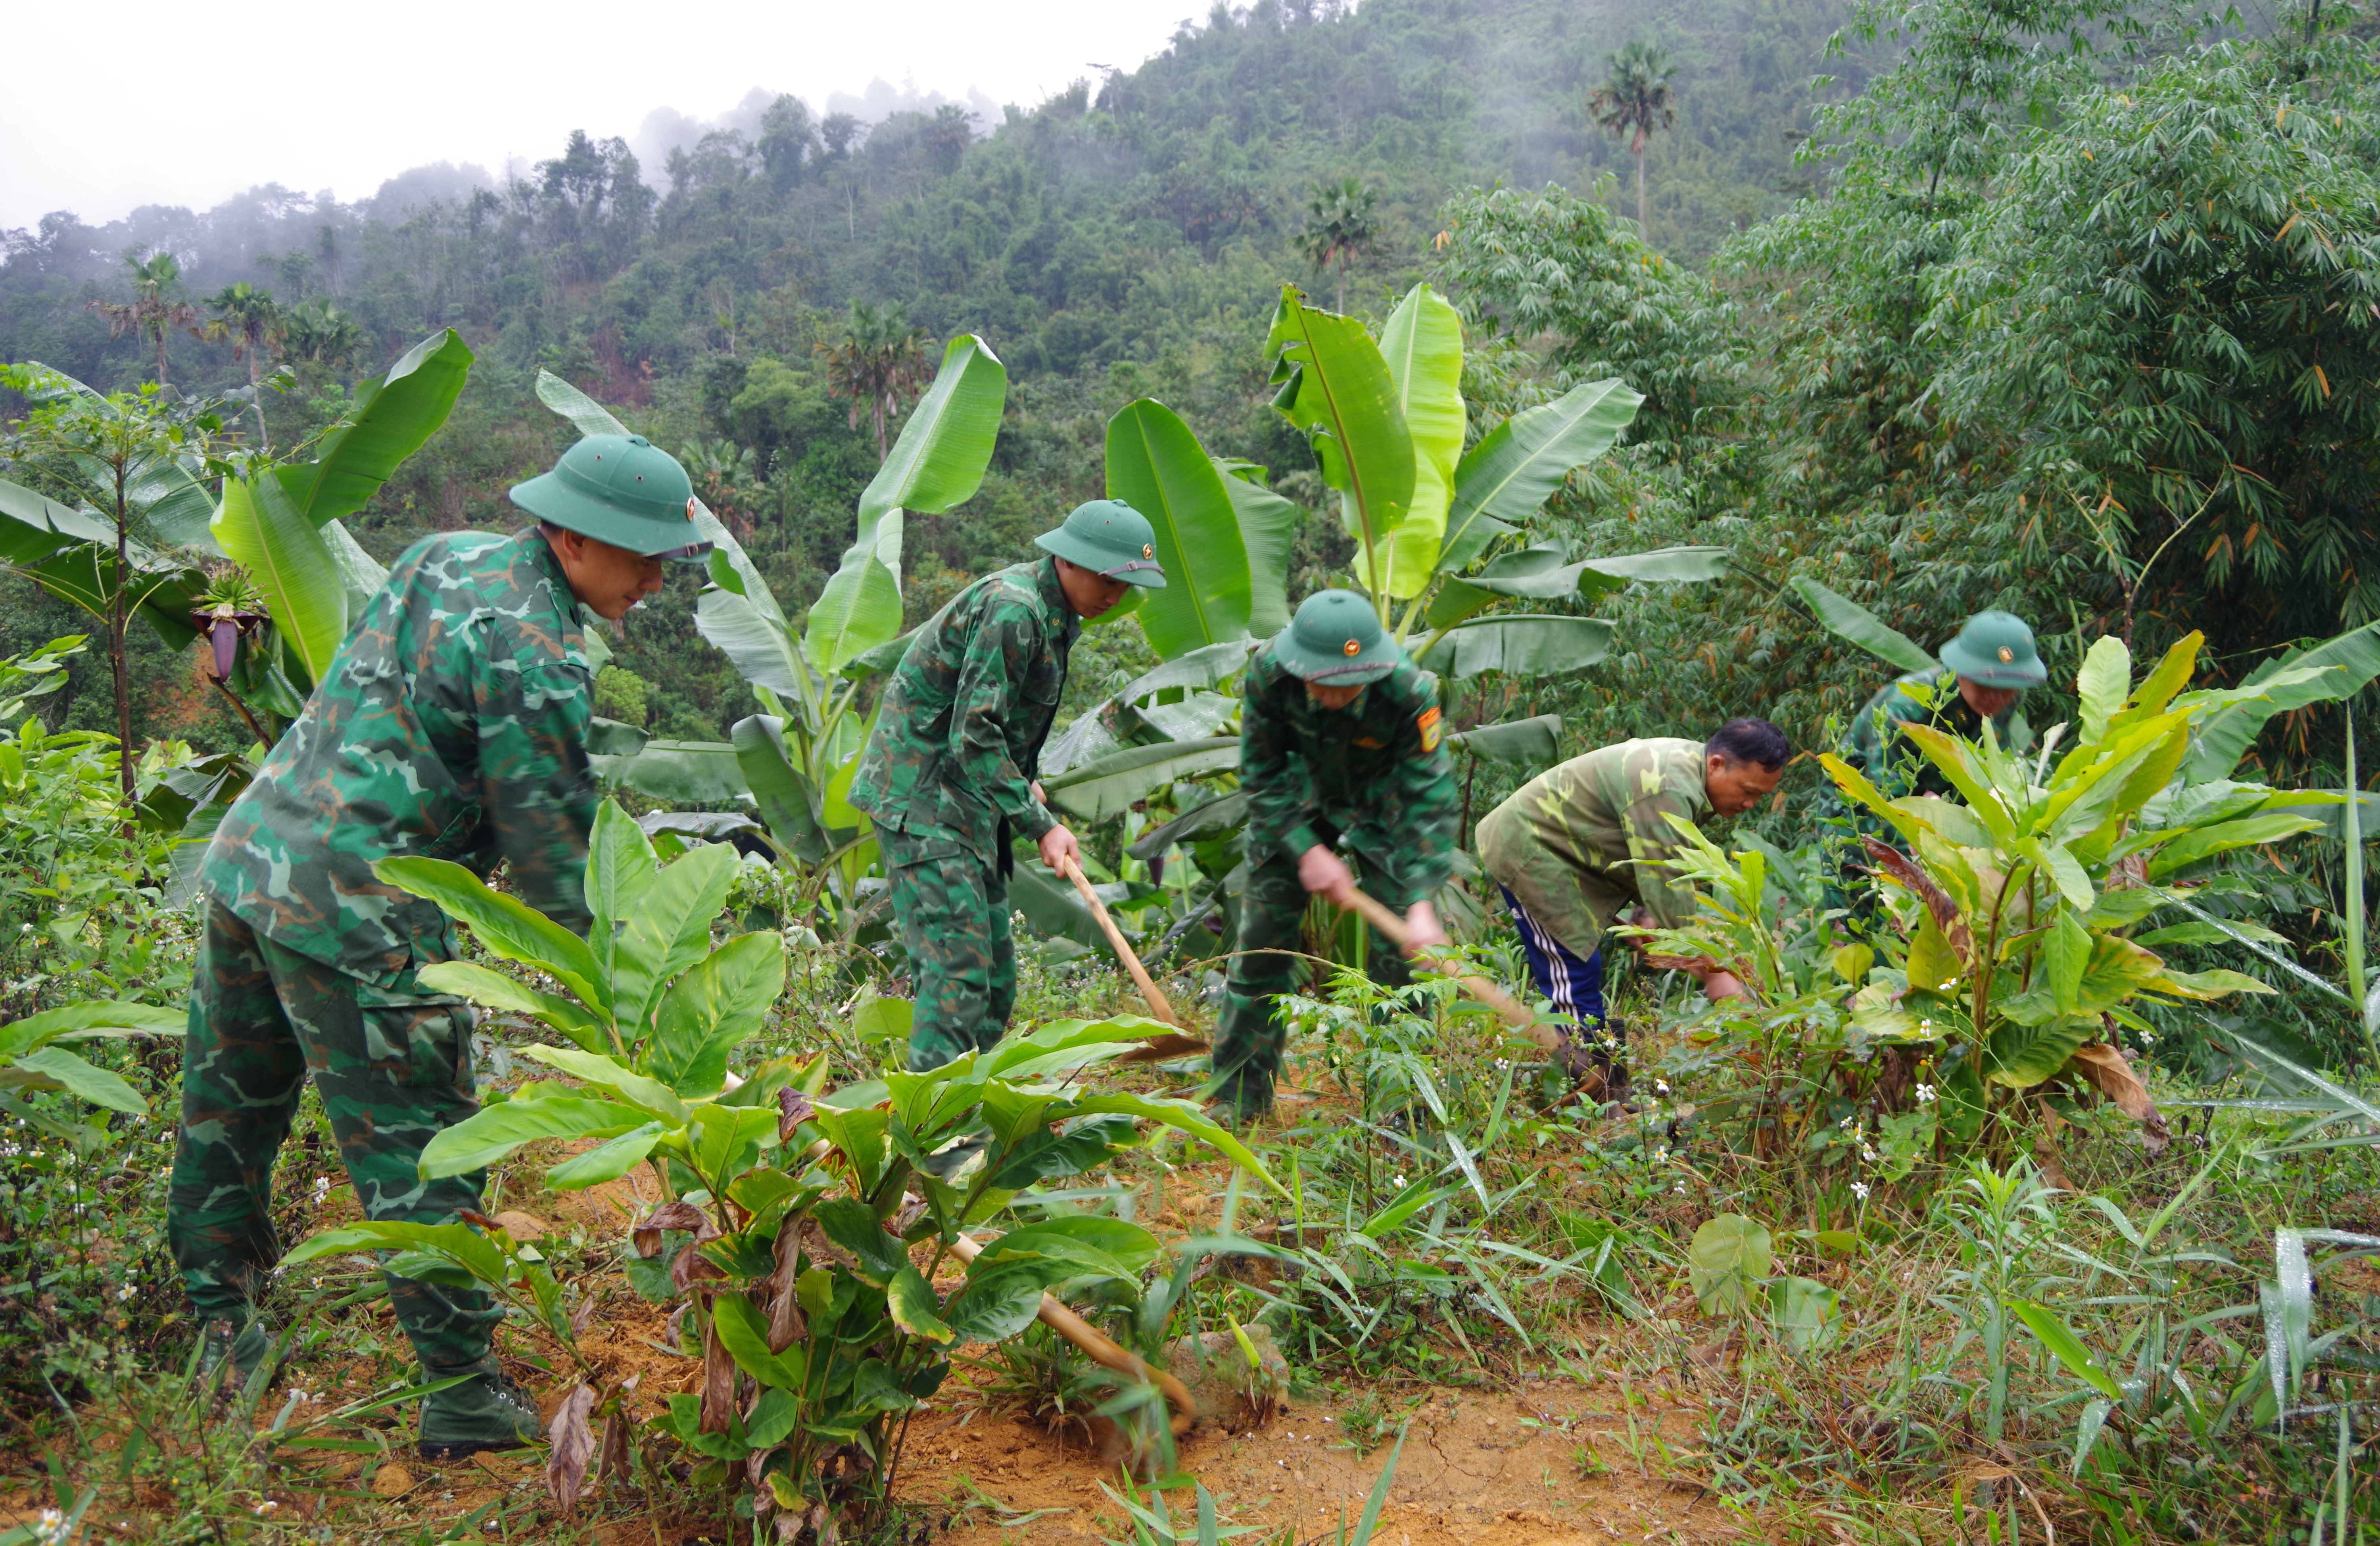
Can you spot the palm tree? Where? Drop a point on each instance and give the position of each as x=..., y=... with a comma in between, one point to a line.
x=154, y=310
x=878, y=359
x=1342, y=224
x=1634, y=101
x=248, y=318
x=319, y=331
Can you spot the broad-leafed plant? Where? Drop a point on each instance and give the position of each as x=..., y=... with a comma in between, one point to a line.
x=2009, y=961
x=36, y=1056
x=797, y=757
x=808, y=1228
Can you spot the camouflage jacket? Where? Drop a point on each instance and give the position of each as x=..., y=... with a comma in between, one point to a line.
x=959, y=737
x=1894, y=763
x=452, y=723
x=1373, y=772
x=1582, y=840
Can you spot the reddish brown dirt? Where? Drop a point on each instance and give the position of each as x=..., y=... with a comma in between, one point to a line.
x=1478, y=1468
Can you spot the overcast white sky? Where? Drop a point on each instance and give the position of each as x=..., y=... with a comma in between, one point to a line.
x=141, y=103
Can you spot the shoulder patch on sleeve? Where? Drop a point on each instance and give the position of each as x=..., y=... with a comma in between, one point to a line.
x=1431, y=730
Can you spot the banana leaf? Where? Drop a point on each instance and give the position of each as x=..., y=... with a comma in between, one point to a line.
x=1531, y=645
x=1155, y=464
x=1846, y=618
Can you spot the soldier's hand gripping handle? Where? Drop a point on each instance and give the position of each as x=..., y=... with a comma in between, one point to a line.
x=1059, y=848
x=1321, y=871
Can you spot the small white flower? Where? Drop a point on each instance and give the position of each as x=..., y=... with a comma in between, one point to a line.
x=1859, y=1189
x=321, y=1189
x=126, y=1292
x=1398, y=1181
x=267, y=1506
x=1925, y=1095
x=1867, y=1153
x=1925, y=1027
x=1661, y=1087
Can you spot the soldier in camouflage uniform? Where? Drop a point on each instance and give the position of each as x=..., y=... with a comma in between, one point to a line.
x=1338, y=744
x=452, y=723
x=947, y=777
x=1584, y=841
x=1988, y=667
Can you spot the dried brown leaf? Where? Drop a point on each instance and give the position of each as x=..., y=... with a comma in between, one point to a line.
x=1910, y=877
x=572, y=1448
x=618, y=1464
x=692, y=1266
x=646, y=1237
x=793, y=1109
x=2107, y=1070
x=786, y=1323
x=718, y=1379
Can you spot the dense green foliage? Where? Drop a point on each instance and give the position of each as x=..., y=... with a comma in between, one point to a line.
x=1109, y=243
x=2070, y=308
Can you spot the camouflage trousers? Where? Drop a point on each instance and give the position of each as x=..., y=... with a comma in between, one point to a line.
x=1249, y=1032
x=392, y=1067
x=952, y=907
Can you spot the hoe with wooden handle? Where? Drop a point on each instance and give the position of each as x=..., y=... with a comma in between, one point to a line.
x=1160, y=1047
x=1148, y=990
x=1392, y=928
x=1102, y=1351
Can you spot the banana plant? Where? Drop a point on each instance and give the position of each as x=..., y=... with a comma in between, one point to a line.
x=2019, y=895
x=283, y=524
x=796, y=759
x=810, y=1355
x=1387, y=422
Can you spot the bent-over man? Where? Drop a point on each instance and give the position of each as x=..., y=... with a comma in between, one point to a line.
x=1339, y=746
x=1586, y=840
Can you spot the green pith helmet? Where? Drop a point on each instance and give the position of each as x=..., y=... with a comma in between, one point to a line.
x=621, y=490
x=1996, y=649
x=1111, y=538
x=1336, y=639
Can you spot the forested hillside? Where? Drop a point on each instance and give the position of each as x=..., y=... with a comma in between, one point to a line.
x=1894, y=364
x=1128, y=236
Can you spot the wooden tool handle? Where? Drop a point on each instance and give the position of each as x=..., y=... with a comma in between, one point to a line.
x=1101, y=1351
x=1157, y=1003
x=1392, y=929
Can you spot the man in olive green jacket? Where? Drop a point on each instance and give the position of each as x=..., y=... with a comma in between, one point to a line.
x=1584, y=842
